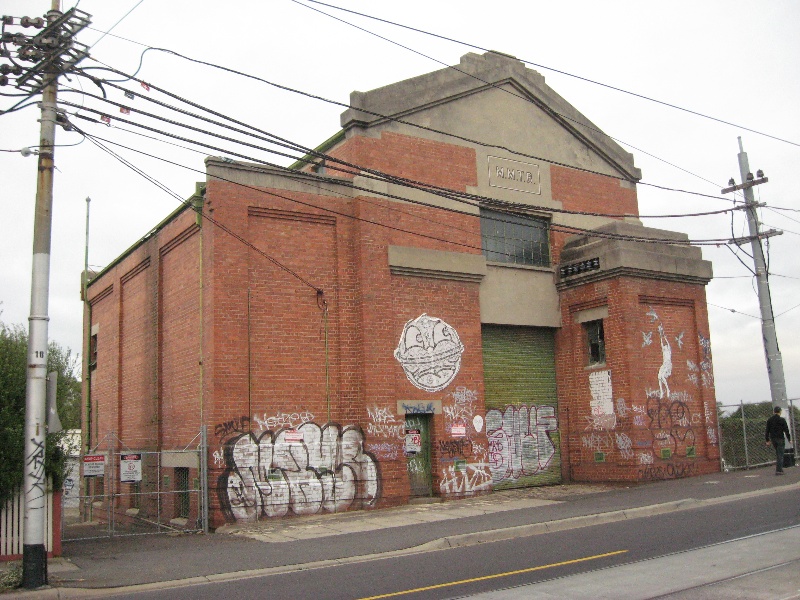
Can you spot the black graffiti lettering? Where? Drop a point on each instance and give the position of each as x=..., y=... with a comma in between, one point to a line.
x=36, y=458
x=669, y=422
x=453, y=448
x=237, y=425
x=667, y=471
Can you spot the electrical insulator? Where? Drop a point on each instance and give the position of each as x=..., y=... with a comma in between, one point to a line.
x=5, y=69
x=759, y=173
x=8, y=20
x=29, y=53
x=38, y=22
x=49, y=42
x=749, y=177
x=3, y=80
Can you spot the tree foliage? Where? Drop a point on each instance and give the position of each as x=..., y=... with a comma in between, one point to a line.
x=13, y=381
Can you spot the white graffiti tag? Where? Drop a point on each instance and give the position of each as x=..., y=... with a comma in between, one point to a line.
x=467, y=480
x=519, y=441
x=624, y=445
x=328, y=470
x=283, y=420
x=380, y=415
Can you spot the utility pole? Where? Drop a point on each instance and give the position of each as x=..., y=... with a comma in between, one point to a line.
x=34, y=553
x=777, y=383
x=52, y=51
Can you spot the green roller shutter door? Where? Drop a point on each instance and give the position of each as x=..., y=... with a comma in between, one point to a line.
x=521, y=406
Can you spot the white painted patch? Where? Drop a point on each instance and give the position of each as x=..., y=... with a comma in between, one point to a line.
x=602, y=403
x=477, y=422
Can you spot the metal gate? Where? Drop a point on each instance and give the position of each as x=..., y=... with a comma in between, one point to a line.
x=123, y=490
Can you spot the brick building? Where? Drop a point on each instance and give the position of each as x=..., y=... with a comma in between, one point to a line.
x=452, y=295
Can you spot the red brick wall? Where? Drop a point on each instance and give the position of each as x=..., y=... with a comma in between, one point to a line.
x=179, y=337
x=581, y=191
x=428, y=161
x=367, y=309
x=126, y=396
x=645, y=420
x=265, y=373
x=136, y=391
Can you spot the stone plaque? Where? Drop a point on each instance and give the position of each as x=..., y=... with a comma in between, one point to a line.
x=514, y=175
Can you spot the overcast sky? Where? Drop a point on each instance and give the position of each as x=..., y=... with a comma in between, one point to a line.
x=736, y=61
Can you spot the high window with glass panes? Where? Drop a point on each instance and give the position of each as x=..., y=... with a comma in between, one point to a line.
x=515, y=239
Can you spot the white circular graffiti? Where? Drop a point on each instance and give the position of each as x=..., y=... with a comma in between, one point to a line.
x=430, y=353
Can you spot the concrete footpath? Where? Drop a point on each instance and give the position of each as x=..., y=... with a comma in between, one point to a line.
x=101, y=567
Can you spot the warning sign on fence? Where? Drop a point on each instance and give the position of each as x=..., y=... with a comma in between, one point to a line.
x=130, y=468
x=94, y=465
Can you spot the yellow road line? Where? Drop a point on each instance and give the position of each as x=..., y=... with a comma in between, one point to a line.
x=506, y=574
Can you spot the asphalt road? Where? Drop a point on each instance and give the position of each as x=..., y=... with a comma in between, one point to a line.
x=462, y=572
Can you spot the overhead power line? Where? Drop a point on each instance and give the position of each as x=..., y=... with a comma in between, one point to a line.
x=586, y=125
x=202, y=213
x=280, y=141
x=553, y=227
x=554, y=70
x=409, y=123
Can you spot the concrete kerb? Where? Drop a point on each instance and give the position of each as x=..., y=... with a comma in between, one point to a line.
x=456, y=541
x=498, y=535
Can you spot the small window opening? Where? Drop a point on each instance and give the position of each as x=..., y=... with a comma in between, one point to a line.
x=597, y=342
x=93, y=352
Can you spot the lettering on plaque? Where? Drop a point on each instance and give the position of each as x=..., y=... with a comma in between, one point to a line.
x=514, y=175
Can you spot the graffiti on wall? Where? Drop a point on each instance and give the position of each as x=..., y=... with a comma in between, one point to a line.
x=304, y=471
x=519, y=441
x=466, y=479
x=273, y=422
x=702, y=373
x=462, y=410
x=463, y=458
x=429, y=352
x=383, y=423
x=237, y=425
x=665, y=370
x=668, y=421
x=670, y=470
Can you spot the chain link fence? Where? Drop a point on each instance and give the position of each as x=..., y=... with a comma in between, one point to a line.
x=741, y=432
x=125, y=491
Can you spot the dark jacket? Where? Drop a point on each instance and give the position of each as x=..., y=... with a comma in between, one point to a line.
x=776, y=427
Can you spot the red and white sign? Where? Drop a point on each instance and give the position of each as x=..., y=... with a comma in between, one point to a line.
x=130, y=468
x=292, y=436
x=458, y=431
x=94, y=465
x=413, y=441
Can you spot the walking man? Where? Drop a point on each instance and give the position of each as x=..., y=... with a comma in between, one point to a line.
x=776, y=428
